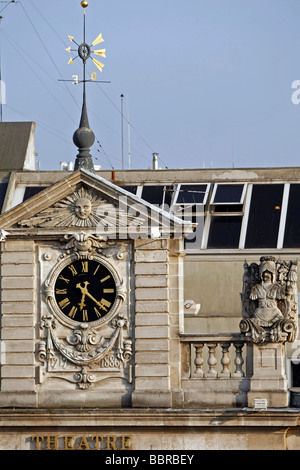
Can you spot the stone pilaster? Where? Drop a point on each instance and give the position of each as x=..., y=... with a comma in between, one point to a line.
x=157, y=322
x=269, y=380
x=18, y=304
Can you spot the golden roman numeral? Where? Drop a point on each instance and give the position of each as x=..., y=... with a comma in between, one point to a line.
x=73, y=270
x=85, y=267
x=85, y=315
x=105, y=302
x=97, y=312
x=61, y=291
x=64, y=303
x=105, y=279
x=64, y=279
x=73, y=312
x=97, y=269
x=108, y=291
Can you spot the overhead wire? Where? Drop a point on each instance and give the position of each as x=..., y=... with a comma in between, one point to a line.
x=67, y=88
x=38, y=77
x=7, y=3
x=44, y=125
x=47, y=51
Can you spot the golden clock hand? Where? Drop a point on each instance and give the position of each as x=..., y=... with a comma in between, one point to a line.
x=81, y=303
x=84, y=291
x=96, y=301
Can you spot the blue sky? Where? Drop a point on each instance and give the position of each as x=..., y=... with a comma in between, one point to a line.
x=205, y=82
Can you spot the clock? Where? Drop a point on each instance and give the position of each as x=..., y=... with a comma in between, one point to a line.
x=85, y=291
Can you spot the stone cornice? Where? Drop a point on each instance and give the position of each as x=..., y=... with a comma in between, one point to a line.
x=132, y=418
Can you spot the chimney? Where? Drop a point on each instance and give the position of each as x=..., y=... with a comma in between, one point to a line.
x=155, y=161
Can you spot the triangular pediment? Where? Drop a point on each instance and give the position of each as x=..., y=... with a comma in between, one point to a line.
x=86, y=201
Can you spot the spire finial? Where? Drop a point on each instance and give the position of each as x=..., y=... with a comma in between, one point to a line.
x=84, y=137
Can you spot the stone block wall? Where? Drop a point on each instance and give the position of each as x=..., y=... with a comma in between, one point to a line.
x=158, y=308
x=18, y=299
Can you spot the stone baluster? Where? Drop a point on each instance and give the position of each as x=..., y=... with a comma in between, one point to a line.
x=239, y=361
x=198, y=360
x=212, y=361
x=225, y=361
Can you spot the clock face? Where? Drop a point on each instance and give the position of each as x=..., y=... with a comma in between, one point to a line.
x=85, y=291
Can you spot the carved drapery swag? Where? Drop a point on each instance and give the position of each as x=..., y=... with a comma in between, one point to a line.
x=270, y=301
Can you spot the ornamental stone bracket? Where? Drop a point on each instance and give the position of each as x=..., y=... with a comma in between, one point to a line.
x=270, y=301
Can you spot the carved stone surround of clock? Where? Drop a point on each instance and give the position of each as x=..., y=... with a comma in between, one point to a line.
x=87, y=334
x=91, y=306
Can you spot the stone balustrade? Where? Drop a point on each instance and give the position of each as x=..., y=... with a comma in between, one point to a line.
x=214, y=369
x=215, y=355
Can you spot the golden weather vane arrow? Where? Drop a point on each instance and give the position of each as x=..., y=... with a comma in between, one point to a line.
x=84, y=50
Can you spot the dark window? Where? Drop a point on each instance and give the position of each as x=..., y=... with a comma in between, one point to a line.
x=224, y=232
x=131, y=189
x=228, y=193
x=189, y=194
x=292, y=226
x=264, y=216
x=3, y=188
x=227, y=208
x=31, y=191
x=295, y=375
x=157, y=195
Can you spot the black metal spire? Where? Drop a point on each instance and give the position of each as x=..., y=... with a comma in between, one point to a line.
x=84, y=137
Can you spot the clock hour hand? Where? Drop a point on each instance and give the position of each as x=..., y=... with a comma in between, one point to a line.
x=85, y=292
x=81, y=303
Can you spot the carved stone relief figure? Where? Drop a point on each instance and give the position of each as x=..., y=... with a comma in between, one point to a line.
x=83, y=208
x=270, y=301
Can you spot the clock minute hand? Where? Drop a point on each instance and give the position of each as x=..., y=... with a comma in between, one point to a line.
x=96, y=301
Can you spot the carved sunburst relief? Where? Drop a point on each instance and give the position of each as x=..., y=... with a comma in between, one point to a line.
x=83, y=208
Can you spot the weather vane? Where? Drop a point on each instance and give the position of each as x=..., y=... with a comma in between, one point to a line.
x=84, y=137
x=84, y=50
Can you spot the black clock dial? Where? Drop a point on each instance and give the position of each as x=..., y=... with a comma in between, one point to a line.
x=85, y=291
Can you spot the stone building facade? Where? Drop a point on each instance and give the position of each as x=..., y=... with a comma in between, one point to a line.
x=157, y=307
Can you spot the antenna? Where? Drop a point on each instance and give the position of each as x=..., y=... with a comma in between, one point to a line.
x=122, y=130
x=129, y=143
